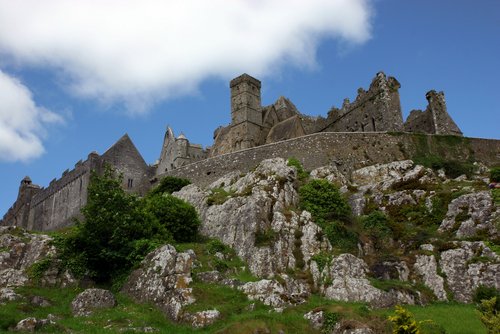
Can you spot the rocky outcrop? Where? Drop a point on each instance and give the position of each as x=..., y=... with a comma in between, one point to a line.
x=345, y=278
x=91, y=300
x=255, y=218
x=426, y=267
x=276, y=294
x=316, y=318
x=163, y=279
x=469, y=214
x=383, y=176
x=467, y=266
x=32, y=324
x=8, y=294
x=21, y=250
x=202, y=318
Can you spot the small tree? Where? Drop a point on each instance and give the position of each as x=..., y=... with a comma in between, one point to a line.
x=324, y=201
x=403, y=322
x=169, y=184
x=177, y=216
x=490, y=316
x=115, y=231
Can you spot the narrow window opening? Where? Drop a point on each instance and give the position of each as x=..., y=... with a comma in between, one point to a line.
x=373, y=123
x=130, y=183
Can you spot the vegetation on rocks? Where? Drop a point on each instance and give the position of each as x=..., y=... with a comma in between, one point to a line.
x=118, y=229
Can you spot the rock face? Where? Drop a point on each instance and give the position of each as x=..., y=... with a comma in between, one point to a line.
x=255, y=218
x=91, y=300
x=383, y=176
x=22, y=250
x=426, y=267
x=276, y=294
x=163, y=279
x=346, y=277
x=472, y=213
x=464, y=274
x=32, y=324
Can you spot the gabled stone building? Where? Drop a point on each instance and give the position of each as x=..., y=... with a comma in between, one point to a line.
x=377, y=109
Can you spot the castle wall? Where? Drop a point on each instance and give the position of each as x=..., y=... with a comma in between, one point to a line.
x=55, y=206
x=124, y=157
x=377, y=109
x=348, y=151
x=434, y=120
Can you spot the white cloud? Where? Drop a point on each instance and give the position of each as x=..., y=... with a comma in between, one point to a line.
x=22, y=123
x=138, y=51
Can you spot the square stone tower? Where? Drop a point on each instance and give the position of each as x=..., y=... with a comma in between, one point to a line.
x=246, y=112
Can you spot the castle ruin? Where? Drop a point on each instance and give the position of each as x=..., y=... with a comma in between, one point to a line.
x=253, y=127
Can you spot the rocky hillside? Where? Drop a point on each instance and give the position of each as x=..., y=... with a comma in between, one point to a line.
x=411, y=236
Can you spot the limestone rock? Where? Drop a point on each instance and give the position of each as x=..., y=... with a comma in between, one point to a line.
x=316, y=319
x=475, y=213
x=89, y=300
x=347, y=281
x=12, y=278
x=32, y=324
x=209, y=276
x=426, y=267
x=8, y=294
x=276, y=294
x=463, y=275
x=203, y=318
x=330, y=173
x=163, y=279
x=383, y=176
x=23, y=250
x=258, y=204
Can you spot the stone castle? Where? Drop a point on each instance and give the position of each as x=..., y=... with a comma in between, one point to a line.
x=367, y=130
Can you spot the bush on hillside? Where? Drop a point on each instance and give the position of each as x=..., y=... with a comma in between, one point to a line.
x=169, y=184
x=495, y=174
x=301, y=173
x=119, y=229
x=177, y=216
x=324, y=201
x=330, y=211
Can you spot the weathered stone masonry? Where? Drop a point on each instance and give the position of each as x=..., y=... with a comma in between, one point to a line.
x=353, y=136
x=50, y=208
x=348, y=151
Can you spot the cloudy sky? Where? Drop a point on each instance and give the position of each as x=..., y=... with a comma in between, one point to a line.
x=76, y=75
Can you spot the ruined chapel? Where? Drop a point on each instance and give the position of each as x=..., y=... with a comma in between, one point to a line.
x=253, y=126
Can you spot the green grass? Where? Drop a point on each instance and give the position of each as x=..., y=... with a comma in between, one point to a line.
x=454, y=318
x=237, y=317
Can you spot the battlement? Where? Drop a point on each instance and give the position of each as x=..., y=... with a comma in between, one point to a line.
x=356, y=135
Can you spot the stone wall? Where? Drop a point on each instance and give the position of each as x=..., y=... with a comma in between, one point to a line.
x=57, y=205
x=348, y=151
x=434, y=120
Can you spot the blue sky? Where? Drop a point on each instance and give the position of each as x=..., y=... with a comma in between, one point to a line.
x=75, y=80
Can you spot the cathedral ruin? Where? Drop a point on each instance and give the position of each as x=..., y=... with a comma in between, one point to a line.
x=376, y=110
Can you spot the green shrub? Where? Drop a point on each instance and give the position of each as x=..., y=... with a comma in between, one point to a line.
x=169, y=184
x=495, y=174
x=324, y=201
x=218, y=196
x=490, y=315
x=377, y=224
x=264, y=237
x=330, y=320
x=117, y=230
x=322, y=259
x=340, y=236
x=403, y=322
x=177, y=216
x=37, y=269
x=483, y=292
x=217, y=246
x=452, y=168
x=301, y=173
